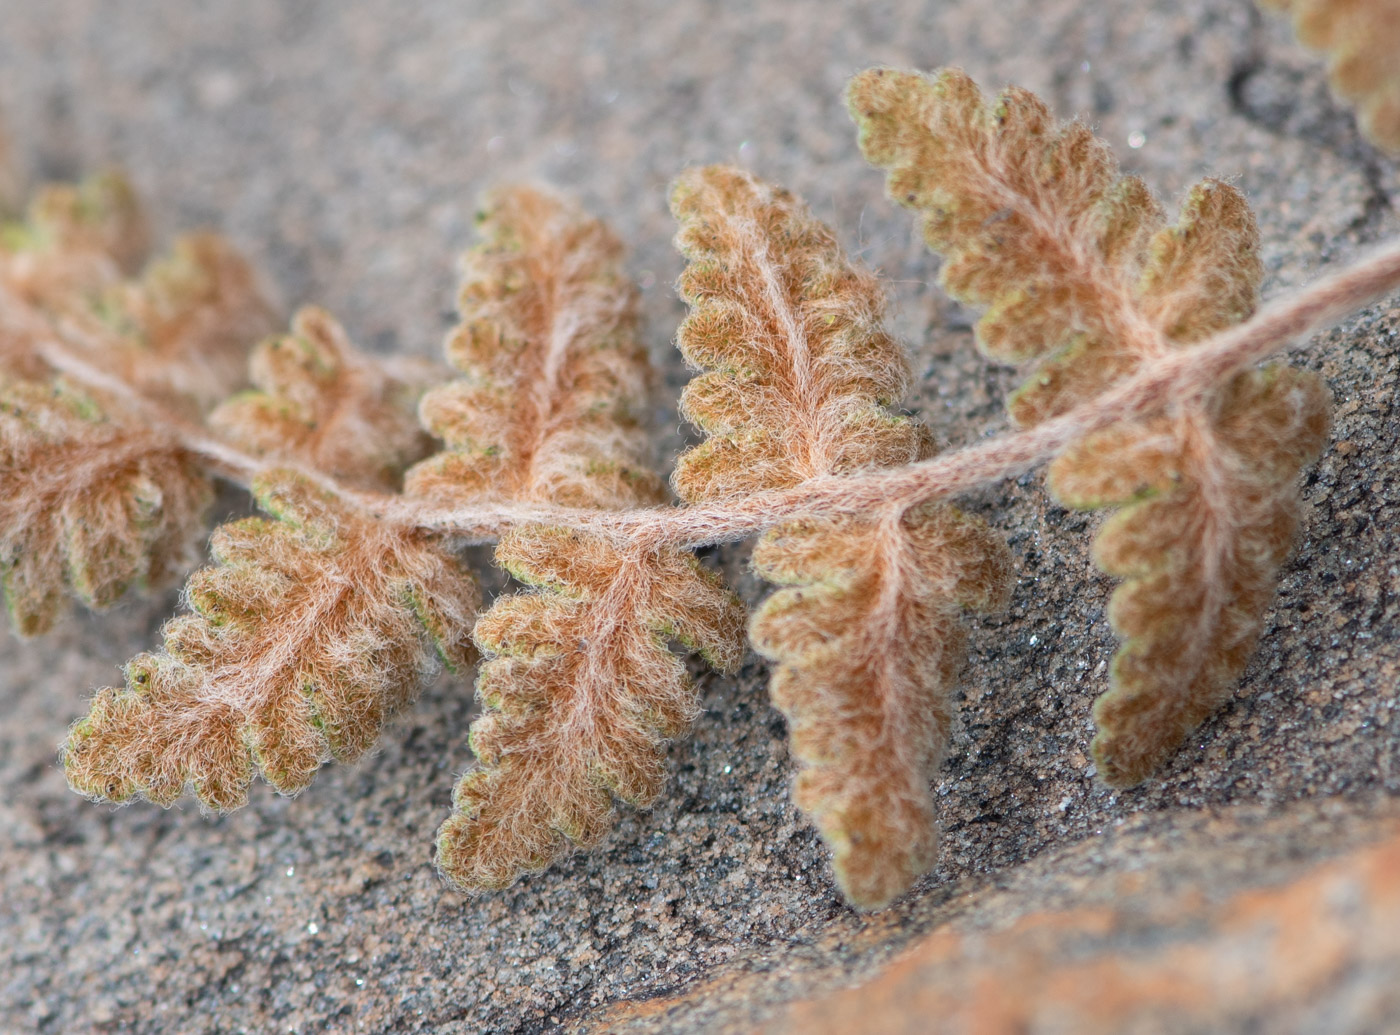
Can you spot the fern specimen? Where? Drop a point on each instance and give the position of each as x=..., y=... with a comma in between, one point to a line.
x=317, y=622
x=1079, y=269
x=319, y=401
x=580, y=686
x=582, y=692
x=868, y=641
x=310, y=632
x=1116, y=288
x=1362, y=41
x=555, y=376
x=97, y=498
x=91, y=503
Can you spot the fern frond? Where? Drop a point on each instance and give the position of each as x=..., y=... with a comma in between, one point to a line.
x=800, y=367
x=312, y=629
x=581, y=690
x=1209, y=508
x=90, y=502
x=1078, y=267
x=1362, y=41
x=322, y=402
x=72, y=242
x=556, y=380
x=869, y=642
x=75, y=237
x=179, y=333
x=1073, y=262
x=583, y=693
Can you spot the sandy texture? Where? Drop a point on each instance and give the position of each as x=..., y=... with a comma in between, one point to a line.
x=343, y=146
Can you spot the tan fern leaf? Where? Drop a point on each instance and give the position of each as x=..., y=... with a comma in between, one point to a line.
x=75, y=237
x=321, y=401
x=87, y=502
x=583, y=693
x=869, y=641
x=1078, y=267
x=869, y=644
x=1362, y=41
x=551, y=407
x=73, y=242
x=1074, y=263
x=308, y=634
x=800, y=367
x=1209, y=507
x=181, y=333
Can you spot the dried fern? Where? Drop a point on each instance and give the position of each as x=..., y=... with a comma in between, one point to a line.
x=581, y=687
x=800, y=368
x=321, y=402
x=177, y=334
x=90, y=503
x=555, y=376
x=317, y=623
x=583, y=693
x=1078, y=267
x=1362, y=41
x=97, y=498
x=310, y=632
x=869, y=644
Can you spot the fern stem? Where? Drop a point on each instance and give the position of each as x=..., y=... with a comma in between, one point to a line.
x=1174, y=377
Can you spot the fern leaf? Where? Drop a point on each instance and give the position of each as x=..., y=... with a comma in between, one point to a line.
x=89, y=502
x=75, y=237
x=72, y=243
x=1075, y=264
x=581, y=690
x=583, y=694
x=1078, y=268
x=1209, y=509
x=320, y=401
x=800, y=368
x=308, y=634
x=868, y=643
x=1362, y=41
x=556, y=380
x=869, y=640
x=179, y=333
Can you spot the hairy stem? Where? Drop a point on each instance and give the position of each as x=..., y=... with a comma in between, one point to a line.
x=1173, y=377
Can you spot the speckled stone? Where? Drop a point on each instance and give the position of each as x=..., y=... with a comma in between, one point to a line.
x=343, y=145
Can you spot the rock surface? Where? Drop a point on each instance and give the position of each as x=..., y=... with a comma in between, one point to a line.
x=342, y=146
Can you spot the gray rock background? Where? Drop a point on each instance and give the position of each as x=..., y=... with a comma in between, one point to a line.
x=343, y=147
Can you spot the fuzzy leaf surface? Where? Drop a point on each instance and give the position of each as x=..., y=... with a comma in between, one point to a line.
x=88, y=503
x=868, y=640
x=583, y=693
x=1079, y=270
x=1209, y=506
x=321, y=401
x=800, y=368
x=178, y=333
x=556, y=381
x=312, y=629
x=1075, y=265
